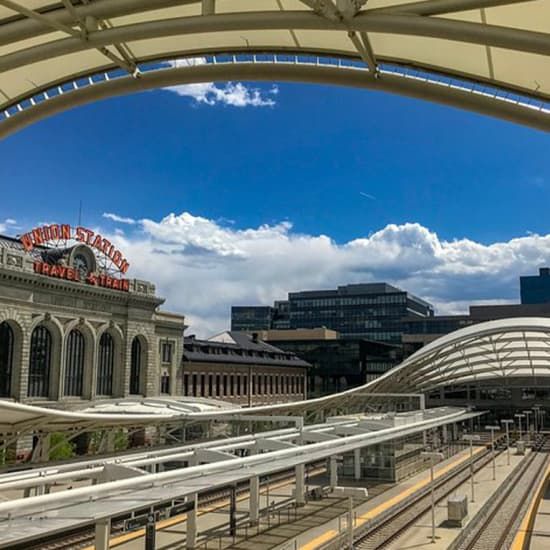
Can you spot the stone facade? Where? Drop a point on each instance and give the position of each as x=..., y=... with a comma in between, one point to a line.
x=29, y=300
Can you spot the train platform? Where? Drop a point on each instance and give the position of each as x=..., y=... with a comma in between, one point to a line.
x=418, y=536
x=537, y=535
x=306, y=528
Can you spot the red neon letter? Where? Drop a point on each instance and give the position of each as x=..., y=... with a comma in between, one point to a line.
x=26, y=241
x=124, y=265
x=54, y=232
x=38, y=236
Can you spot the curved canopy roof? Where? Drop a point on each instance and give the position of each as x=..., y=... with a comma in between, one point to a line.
x=491, y=56
x=496, y=350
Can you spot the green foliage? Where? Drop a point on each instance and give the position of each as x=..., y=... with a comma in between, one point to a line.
x=121, y=440
x=61, y=448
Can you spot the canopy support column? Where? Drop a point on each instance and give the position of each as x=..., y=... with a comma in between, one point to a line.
x=254, y=500
x=300, y=488
x=333, y=472
x=191, y=530
x=102, y=534
x=357, y=463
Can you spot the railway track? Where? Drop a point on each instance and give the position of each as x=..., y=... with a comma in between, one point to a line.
x=495, y=525
x=392, y=525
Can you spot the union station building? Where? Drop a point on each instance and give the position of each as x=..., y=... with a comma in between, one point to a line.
x=73, y=329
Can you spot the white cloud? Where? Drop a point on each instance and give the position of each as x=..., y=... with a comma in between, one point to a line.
x=119, y=219
x=203, y=268
x=7, y=224
x=209, y=93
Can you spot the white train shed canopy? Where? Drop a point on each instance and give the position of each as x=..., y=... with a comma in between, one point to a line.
x=494, y=351
x=489, y=56
x=18, y=417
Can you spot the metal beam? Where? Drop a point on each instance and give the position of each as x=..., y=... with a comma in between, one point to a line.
x=31, y=14
x=410, y=87
x=80, y=35
x=409, y=25
x=349, y=8
x=21, y=29
x=362, y=45
x=326, y=8
x=71, y=9
x=208, y=7
x=441, y=7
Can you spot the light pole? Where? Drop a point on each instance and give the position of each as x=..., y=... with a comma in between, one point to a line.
x=350, y=492
x=433, y=457
x=519, y=417
x=507, y=423
x=471, y=439
x=493, y=429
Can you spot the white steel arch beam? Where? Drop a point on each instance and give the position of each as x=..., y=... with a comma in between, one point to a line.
x=287, y=72
x=484, y=41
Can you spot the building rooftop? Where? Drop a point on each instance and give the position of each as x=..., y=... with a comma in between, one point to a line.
x=238, y=347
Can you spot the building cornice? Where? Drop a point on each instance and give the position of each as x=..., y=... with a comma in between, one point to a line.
x=33, y=282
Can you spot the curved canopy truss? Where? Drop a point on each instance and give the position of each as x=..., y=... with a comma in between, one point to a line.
x=489, y=56
x=496, y=350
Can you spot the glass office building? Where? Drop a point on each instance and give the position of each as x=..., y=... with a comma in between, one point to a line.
x=535, y=289
x=251, y=317
x=374, y=311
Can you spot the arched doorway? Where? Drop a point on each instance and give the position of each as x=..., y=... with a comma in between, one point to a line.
x=40, y=362
x=106, y=359
x=136, y=366
x=6, y=358
x=74, y=363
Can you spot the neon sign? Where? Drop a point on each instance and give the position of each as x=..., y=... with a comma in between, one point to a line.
x=48, y=234
x=71, y=274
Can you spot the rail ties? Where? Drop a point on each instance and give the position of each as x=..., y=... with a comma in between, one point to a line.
x=400, y=518
x=495, y=525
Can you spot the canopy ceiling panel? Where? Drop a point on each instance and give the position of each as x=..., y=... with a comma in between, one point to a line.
x=509, y=348
x=473, y=43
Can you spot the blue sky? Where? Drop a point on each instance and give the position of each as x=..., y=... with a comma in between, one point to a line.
x=330, y=161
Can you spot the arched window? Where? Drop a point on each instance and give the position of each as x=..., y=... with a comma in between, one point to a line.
x=6, y=359
x=40, y=362
x=104, y=384
x=135, y=367
x=74, y=363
